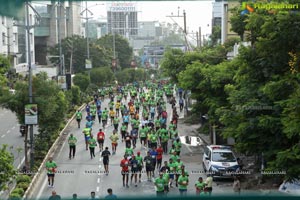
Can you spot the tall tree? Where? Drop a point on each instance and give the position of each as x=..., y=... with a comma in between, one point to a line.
x=123, y=51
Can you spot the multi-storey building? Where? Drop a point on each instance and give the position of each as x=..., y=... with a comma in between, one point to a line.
x=14, y=41
x=58, y=21
x=122, y=19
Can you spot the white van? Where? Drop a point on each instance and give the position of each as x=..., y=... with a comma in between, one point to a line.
x=220, y=161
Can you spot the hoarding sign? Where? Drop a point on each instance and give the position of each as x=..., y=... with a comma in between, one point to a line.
x=88, y=64
x=31, y=114
x=62, y=81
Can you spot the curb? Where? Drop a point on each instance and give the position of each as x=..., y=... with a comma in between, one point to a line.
x=51, y=150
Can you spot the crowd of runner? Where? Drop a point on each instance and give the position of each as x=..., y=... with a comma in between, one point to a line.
x=138, y=114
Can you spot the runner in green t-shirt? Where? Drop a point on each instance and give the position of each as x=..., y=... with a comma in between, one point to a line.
x=78, y=117
x=114, y=141
x=160, y=183
x=199, y=185
x=72, y=140
x=51, y=167
x=143, y=135
x=139, y=158
x=92, y=144
x=183, y=182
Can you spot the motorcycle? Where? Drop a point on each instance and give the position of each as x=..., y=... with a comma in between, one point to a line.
x=23, y=130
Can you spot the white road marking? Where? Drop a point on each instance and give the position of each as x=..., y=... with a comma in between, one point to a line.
x=2, y=136
x=100, y=166
x=98, y=180
x=13, y=127
x=8, y=131
x=97, y=189
x=42, y=189
x=21, y=163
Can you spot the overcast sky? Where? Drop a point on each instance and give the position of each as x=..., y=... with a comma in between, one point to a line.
x=198, y=13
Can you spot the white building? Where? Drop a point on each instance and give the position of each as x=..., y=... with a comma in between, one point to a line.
x=9, y=39
x=14, y=41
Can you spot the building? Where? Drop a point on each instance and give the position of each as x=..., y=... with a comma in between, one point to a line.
x=9, y=39
x=221, y=17
x=14, y=41
x=97, y=29
x=56, y=22
x=122, y=19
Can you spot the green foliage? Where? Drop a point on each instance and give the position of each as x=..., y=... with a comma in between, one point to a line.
x=23, y=179
x=102, y=76
x=124, y=52
x=77, y=47
x=82, y=81
x=19, y=191
x=238, y=22
x=4, y=68
x=216, y=35
x=23, y=185
x=6, y=166
x=75, y=95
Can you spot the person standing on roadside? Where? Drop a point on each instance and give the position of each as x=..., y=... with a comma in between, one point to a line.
x=105, y=155
x=208, y=183
x=72, y=144
x=92, y=145
x=51, y=167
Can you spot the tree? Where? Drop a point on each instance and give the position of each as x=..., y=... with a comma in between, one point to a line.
x=82, y=81
x=216, y=35
x=6, y=166
x=74, y=50
x=102, y=76
x=238, y=22
x=4, y=68
x=124, y=52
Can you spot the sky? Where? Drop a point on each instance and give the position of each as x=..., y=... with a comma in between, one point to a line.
x=198, y=13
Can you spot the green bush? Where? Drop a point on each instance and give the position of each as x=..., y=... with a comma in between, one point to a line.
x=23, y=179
x=14, y=196
x=19, y=191
x=23, y=185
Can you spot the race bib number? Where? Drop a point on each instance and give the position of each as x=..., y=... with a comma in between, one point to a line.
x=134, y=165
x=127, y=138
x=148, y=162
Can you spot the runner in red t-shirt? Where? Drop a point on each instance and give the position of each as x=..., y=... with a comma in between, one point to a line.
x=159, y=156
x=100, y=138
x=125, y=170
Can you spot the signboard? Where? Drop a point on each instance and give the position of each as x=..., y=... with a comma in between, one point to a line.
x=122, y=7
x=31, y=114
x=62, y=81
x=88, y=64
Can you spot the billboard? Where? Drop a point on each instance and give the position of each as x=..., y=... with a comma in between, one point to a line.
x=88, y=64
x=122, y=7
x=62, y=81
x=31, y=114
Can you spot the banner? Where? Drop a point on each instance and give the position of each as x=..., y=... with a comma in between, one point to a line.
x=31, y=114
x=88, y=64
x=62, y=81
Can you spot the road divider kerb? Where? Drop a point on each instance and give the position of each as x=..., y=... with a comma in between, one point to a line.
x=28, y=193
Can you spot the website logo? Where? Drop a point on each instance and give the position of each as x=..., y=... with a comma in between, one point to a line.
x=246, y=8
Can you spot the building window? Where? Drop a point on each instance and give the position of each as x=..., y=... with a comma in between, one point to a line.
x=16, y=38
x=30, y=19
x=3, y=38
x=31, y=38
x=3, y=20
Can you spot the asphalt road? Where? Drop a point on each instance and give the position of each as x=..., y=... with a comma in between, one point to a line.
x=11, y=136
x=82, y=174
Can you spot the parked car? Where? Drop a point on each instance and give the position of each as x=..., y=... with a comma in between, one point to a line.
x=220, y=161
